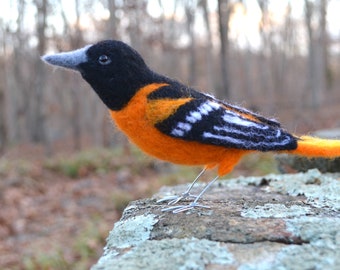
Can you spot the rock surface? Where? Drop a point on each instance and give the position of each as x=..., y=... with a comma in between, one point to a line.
x=270, y=222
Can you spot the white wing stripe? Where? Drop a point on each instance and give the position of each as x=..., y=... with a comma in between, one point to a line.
x=222, y=138
x=231, y=131
x=184, y=126
x=205, y=109
x=194, y=117
x=177, y=132
x=243, y=142
x=235, y=119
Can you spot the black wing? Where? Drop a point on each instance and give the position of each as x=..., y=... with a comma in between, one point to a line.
x=207, y=120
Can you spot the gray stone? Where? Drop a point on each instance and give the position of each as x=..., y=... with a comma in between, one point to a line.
x=270, y=222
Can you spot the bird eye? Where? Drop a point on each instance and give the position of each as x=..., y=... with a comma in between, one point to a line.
x=104, y=60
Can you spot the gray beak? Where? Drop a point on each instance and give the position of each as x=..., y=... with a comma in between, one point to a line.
x=69, y=60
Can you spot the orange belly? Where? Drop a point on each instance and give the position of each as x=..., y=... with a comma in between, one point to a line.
x=133, y=122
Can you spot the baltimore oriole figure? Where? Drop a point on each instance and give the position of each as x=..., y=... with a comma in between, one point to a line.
x=176, y=123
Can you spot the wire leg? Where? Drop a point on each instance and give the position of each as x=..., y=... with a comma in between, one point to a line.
x=176, y=198
x=194, y=182
x=182, y=208
x=205, y=189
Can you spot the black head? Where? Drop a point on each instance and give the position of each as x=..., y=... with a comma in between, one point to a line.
x=113, y=69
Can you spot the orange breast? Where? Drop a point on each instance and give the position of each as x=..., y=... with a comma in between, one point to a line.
x=133, y=121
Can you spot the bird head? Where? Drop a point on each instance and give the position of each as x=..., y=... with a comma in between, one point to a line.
x=113, y=69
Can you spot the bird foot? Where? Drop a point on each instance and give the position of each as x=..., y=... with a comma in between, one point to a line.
x=183, y=208
x=176, y=198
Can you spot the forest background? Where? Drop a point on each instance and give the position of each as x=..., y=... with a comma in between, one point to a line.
x=280, y=58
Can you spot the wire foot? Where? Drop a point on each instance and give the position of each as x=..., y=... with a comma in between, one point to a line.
x=183, y=208
x=186, y=194
x=176, y=198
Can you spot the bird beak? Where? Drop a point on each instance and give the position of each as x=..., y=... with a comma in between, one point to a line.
x=69, y=60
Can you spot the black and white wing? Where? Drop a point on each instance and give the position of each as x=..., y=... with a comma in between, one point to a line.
x=210, y=121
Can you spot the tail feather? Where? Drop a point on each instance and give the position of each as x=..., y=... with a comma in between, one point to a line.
x=316, y=147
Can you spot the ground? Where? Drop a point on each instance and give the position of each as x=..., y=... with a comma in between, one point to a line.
x=57, y=212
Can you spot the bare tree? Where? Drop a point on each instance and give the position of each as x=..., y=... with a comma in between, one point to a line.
x=316, y=11
x=3, y=132
x=136, y=11
x=209, y=45
x=3, y=127
x=76, y=41
x=112, y=24
x=223, y=23
x=265, y=29
x=38, y=120
x=17, y=78
x=190, y=8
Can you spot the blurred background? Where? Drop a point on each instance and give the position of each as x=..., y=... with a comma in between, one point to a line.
x=66, y=174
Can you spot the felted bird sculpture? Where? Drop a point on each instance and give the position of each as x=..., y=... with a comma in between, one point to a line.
x=176, y=123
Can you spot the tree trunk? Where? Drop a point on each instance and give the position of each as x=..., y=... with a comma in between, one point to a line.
x=3, y=131
x=112, y=23
x=223, y=22
x=38, y=132
x=76, y=42
x=317, y=50
x=209, y=48
x=192, y=70
x=265, y=71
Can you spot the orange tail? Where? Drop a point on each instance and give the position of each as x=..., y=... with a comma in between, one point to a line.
x=316, y=147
